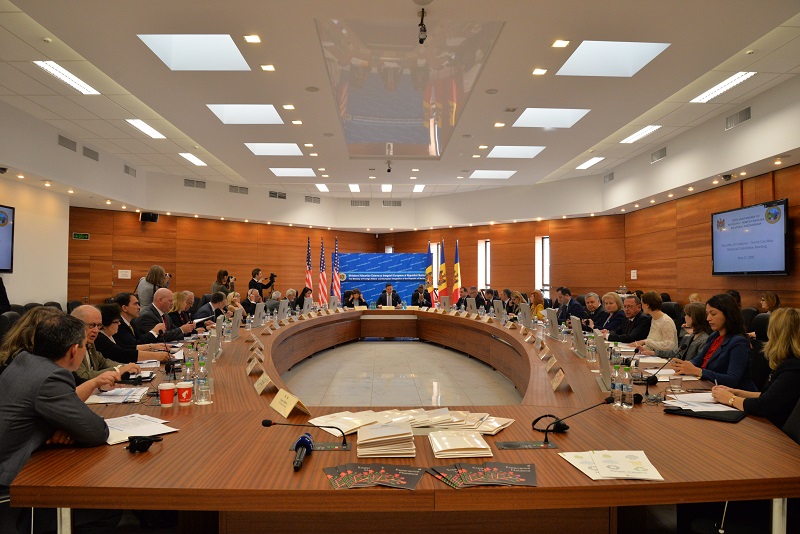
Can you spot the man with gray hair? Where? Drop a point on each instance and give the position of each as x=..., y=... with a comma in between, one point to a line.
x=94, y=363
x=272, y=304
x=253, y=298
x=595, y=312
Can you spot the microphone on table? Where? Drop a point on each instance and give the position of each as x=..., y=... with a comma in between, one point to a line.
x=303, y=446
x=652, y=380
x=559, y=426
x=269, y=423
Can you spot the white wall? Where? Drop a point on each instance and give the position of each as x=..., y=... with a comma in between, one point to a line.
x=41, y=243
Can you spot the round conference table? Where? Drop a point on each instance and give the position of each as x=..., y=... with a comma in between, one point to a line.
x=236, y=476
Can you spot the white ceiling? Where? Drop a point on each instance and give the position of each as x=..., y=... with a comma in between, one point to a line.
x=97, y=41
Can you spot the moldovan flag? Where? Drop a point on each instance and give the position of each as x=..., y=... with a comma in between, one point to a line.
x=456, y=277
x=442, y=273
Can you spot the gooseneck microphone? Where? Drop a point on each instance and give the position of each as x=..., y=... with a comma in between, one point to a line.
x=652, y=380
x=270, y=422
x=303, y=446
x=563, y=427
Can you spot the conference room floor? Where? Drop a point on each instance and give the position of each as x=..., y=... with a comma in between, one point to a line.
x=397, y=373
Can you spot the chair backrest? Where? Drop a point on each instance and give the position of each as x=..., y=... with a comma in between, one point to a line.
x=673, y=309
x=19, y=308
x=548, y=302
x=759, y=326
x=581, y=299
x=792, y=426
x=759, y=365
x=665, y=297
x=31, y=305
x=72, y=304
x=5, y=324
x=54, y=304
x=748, y=314
x=206, y=298
x=12, y=317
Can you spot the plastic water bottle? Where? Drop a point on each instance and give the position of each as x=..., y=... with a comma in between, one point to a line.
x=616, y=354
x=627, y=389
x=201, y=378
x=188, y=370
x=403, y=304
x=227, y=328
x=616, y=388
x=248, y=324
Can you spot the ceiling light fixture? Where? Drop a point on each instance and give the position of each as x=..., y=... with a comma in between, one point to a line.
x=145, y=128
x=412, y=177
x=386, y=188
x=47, y=184
x=70, y=191
x=715, y=182
x=194, y=159
x=309, y=145
x=652, y=201
x=723, y=86
x=589, y=163
x=670, y=195
x=743, y=173
x=483, y=147
x=322, y=188
x=169, y=213
x=690, y=189
x=108, y=202
x=499, y=124
x=252, y=39
x=778, y=161
x=268, y=68
x=288, y=106
x=560, y=43
x=313, y=154
x=56, y=70
x=354, y=188
x=419, y=188
x=20, y=176
x=297, y=123
x=539, y=72
x=644, y=132
x=636, y=205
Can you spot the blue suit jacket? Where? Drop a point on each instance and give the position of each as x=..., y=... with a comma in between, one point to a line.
x=730, y=364
x=572, y=308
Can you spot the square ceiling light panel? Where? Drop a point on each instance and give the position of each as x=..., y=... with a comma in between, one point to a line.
x=196, y=52
x=492, y=175
x=246, y=113
x=549, y=118
x=293, y=172
x=274, y=149
x=610, y=58
x=515, y=152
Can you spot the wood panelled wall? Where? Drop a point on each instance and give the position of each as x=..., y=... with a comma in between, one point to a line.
x=192, y=250
x=669, y=245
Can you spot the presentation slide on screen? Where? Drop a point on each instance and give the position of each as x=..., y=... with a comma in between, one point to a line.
x=370, y=273
x=749, y=240
x=6, y=238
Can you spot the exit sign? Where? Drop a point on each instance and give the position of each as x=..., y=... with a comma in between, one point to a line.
x=81, y=237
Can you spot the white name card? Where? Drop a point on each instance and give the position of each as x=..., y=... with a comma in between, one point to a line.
x=557, y=379
x=262, y=383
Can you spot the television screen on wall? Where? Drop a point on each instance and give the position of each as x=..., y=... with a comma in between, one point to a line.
x=6, y=239
x=750, y=240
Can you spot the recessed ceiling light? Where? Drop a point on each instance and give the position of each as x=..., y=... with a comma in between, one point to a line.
x=195, y=216
x=450, y=226
x=288, y=106
x=644, y=132
x=715, y=182
x=124, y=207
x=269, y=222
x=539, y=72
x=169, y=213
x=194, y=159
x=723, y=86
x=620, y=59
x=47, y=184
x=292, y=171
x=313, y=154
x=326, y=175
x=139, y=211
x=670, y=195
x=145, y=128
x=414, y=170
x=549, y=117
x=469, y=224
x=591, y=215
x=56, y=70
x=222, y=218
x=778, y=162
x=459, y=177
x=246, y=113
x=247, y=220
x=514, y=220
x=196, y=52
x=499, y=124
x=743, y=173
x=419, y=188
x=297, y=122
x=490, y=222
x=563, y=216
x=268, y=68
x=623, y=209
x=559, y=43
x=20, y=176
x=354, y=188
x=538, y=219
x=652, y=201
x=476, y=155
x=322, y=188
x=274, y=149
x=371, y=177
x=108, y=202
x=309, y=145
x=589, y=163
x=415, y=229
x=386, y=188
x=392, y=229
x=483, y=147
x=252, y=39
x=636, y=205
x=321, y=169
x=690, y=189
x=70, y=191
x=367, y=229
x=506, y=151
x=412, y=177
x=492, y=175
x=291, y=224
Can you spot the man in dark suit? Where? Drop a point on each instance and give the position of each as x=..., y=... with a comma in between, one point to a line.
x=569, y=306
x=258, y=283
x=249, y=304
x=420, y=297
x=637, y=325
x=212, y=308
x=157, y=313
x=480, y=302
x=127, y=335
x=594, y=311
x=389, y=299
x=462, y=298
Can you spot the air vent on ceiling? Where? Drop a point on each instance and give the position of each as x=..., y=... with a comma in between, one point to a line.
x=359, y=203
x=658, y=155
x=510, y=110
x=608, y=178
x=737, y=118
x=199, y=184
x=91, y=154
x=67, y=143
x=237, y=189
x=277, y=194
x=312, y=200
x=130, y=170
x=392, y=203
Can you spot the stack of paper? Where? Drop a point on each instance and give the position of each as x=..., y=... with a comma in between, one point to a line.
x=698, y=402
x=600, y=465
x=459, y=444
x=487, y=474
x=664, y=374
x=386, y=440
x=365, y=475
x=348, y=422
x=493, y=425
x=117, y=396
x=120, y=428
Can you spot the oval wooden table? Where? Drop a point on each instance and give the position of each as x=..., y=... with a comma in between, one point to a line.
x=222, y=461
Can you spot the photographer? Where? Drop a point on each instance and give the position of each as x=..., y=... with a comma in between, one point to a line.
x=224, y=283
x=262, y=284
x=155, y=279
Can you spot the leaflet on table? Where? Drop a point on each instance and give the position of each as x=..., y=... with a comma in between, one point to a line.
x=178, y=355
x=654, y=360
x=664, y=374
x=117, y=396
x=149, y=364
x=120, y=428
x=697, y=402
x=604, y=465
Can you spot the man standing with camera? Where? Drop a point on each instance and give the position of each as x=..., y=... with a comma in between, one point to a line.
x=262, y=284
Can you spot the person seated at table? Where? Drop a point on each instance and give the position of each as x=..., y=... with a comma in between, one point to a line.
x=782, y=391
x=39, y=406
x=612, y=304
x=514, y=303
x=594, y=312
x=388, y=298
x=636, y=325
x=355, y=299
x=663, y=335
x=179, y=312
x=253, y=298
x=272, y=304
x=233, y=303
x=305, y=293
x=212, y=309
x=461, y=303
x=695, y=297
x=770, y=301
x=537, y=305
x=156, y=313
x=725, y=357
x=95, y=364
x=111, y=317
x=569, y=306
x=291, y=296
x=697, y=332
x=127, y=334
x=480, y=302
x=420, y=297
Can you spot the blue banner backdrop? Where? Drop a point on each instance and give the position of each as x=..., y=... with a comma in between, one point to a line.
x=371, y=272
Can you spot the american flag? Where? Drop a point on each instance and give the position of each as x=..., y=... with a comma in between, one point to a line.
x=323, y=276
x=337, y=283
x=308, y=264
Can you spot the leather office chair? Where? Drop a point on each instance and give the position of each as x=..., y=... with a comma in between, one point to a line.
x=19, y=308
x=673, y=309
x=31, y=305
x=5, y=324
x=792, y=426
x=665, y=297
x=54, y=304
x=12, y=317
x=759, y=326
x=581, y=299
x=759, y=365
x=203, y=300
x=748, y=314
x=72, y=304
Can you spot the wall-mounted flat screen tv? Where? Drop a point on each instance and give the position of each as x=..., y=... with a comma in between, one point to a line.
x=6, y=239
x=750, y=240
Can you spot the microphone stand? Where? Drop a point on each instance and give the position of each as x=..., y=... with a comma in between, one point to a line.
x=652, y=380
x=344, y=446
x=607, y=400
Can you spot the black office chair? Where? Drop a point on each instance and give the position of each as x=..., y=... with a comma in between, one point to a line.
x=548, y=302
x=203, y=300
x=673, y=309
x=54, y=304
x=582, y=300
x=759, y=326
x=31, y=305
x=759, y=365
x=665, y=297
x=72, y=304
x=19, y=308
x=792, y=426
x=5, y=325
x=12, y=317
x=748, y=314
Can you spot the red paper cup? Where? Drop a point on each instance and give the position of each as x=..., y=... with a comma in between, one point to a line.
x=166, y=393
x=185, y=393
